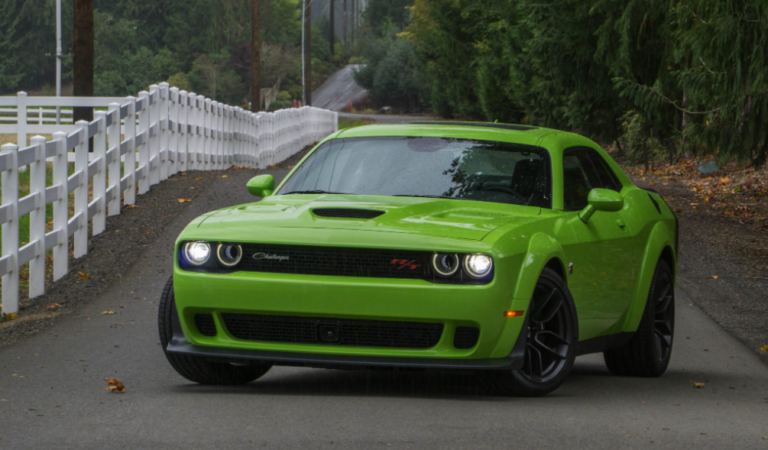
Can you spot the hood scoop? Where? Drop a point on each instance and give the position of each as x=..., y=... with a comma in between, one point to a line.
x=347, y=213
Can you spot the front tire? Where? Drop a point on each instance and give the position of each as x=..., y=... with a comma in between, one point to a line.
x=648, y=353
x=195, y=368
x=552, y=336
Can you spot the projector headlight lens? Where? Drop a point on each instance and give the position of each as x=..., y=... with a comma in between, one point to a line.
x=478, y=265
x=229, y=254
x=445, y=264
x=197, y=253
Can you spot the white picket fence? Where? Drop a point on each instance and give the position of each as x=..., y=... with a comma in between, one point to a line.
x=160, y=133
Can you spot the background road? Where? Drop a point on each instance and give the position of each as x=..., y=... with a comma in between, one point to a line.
x=52, y=389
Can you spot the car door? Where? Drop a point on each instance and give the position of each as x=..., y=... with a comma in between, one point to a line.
x=603, y=257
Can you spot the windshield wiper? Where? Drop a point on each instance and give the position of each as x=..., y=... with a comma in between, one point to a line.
x=314, y=191
x=431, y=196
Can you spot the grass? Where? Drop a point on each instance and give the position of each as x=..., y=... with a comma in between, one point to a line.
x=352, y=123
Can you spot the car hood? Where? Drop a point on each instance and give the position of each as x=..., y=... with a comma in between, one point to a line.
x=457, y=219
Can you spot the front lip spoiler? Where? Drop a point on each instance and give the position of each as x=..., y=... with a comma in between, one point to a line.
x=239, y=356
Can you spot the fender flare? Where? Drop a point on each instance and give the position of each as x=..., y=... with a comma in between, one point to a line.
x=659, y=238
x=542, y=248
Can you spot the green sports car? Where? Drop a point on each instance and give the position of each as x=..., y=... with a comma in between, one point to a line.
x=505, y=250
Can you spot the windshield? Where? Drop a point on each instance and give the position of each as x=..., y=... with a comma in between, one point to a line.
x=427, y=167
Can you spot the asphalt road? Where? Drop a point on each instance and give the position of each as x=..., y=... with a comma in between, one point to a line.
x=52, y=389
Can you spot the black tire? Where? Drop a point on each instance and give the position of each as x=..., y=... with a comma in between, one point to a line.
x=648, y=353
x=195, y=368
x=552, y=329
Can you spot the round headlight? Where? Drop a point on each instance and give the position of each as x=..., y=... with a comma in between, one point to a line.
x=229, y=254
x=197, y=252
x=445, y=264
x=478, y=265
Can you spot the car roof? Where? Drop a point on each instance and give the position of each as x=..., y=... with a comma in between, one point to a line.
x=517, y=134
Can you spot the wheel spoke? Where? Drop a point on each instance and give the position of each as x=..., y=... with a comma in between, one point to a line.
x=552, y=351
x=663, y=333
x=549, y=306
x=536, y=363
x=665, y=299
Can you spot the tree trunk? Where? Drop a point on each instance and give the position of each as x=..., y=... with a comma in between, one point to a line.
x=308, y=55
x=645, y=151
x=353, y=20
x=82, y=63
x=345, y=21
x=333, y=29
x=255, y=58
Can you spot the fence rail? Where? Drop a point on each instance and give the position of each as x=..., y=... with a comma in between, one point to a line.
x=156, y=135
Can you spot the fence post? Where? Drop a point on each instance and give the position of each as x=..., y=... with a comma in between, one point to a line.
x=60, y=207
x=113, y=133
x=21, y=119
x=129, y=198
x=192, y=116
x=183, y=124
x=208, y=128
x=100, y=179
x=213, y=148
x=37, y=219
x=173, y=130
x=154, y=141
x=10, y=196
x=81, y=191
x=165, y=147
x=144, y=122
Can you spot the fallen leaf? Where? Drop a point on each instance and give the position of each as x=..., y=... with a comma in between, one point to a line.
x=764, y=348
x=131, y=206
x=10, y=316
x=698, y=385
x=714, y=277
x=184, y=200
x=291, y=167
x=115, y=385
x=198, y=178
x=83, y=275
x=108, y=313
x=52, y=306
x=225, y=176
x=652, y=183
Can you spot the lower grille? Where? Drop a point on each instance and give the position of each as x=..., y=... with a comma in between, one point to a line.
x=314, y=330
x=465, y=337
x=205, y=324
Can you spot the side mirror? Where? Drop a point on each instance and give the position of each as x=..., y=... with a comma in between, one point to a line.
x=601, y=200
x=261, y=185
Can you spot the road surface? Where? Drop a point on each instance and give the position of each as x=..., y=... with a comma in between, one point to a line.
x=52, y=389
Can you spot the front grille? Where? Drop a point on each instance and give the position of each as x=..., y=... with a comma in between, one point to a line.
x=347, y=213
x=205, y=324
x=349, y=332
x=465, y=337
x=351, y=262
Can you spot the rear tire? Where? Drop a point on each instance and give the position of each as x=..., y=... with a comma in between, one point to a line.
x=195, y=368
x=648, y=353
x=552, y=336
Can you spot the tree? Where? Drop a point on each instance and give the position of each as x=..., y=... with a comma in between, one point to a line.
x=255, y=58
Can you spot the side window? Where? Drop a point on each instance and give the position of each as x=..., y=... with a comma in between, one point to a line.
x=607, y=176
x=576, y=182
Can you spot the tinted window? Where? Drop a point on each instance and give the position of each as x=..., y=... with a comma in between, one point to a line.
x=583, y=170
x=428, y=167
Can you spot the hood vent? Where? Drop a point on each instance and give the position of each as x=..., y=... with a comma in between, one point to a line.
x=347, y=213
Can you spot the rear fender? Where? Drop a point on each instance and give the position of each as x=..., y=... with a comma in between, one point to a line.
x=660, y=237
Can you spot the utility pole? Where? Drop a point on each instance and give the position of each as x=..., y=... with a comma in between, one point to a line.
x=333, y=29
x=345, y=21
x=353, y=20
x=58, y=58
x=83, y=60
x=255, y=58
x=308, y=53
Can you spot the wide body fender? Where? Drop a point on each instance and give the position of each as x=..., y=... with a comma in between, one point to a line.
x=660, y=237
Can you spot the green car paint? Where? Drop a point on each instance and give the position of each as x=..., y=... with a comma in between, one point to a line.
x=606, y=253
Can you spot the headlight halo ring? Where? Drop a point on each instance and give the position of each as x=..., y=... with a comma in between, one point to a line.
x=196, y=261
x=468, y=266
x=443, y=273
x=229, y=264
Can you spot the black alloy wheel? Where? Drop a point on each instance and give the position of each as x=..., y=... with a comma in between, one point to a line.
x=551, y=333
x=649, y=351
